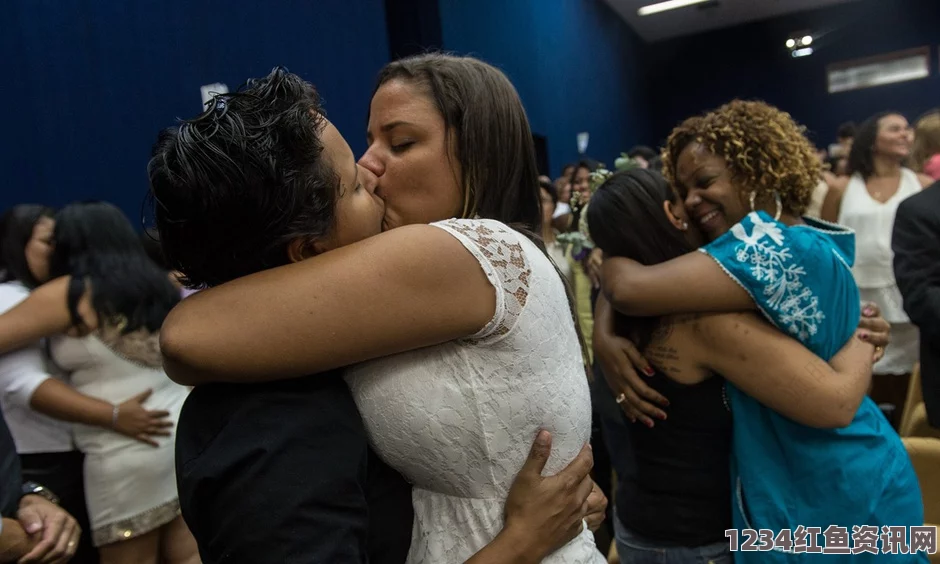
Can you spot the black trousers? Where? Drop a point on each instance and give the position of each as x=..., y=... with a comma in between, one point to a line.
x=63, y=474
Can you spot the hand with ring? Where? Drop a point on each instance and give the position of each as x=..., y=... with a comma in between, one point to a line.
x=55, y=531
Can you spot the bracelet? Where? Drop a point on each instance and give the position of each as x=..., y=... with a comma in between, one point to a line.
x=114, y=415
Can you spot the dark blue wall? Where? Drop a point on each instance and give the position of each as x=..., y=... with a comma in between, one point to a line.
x=87, y=84
x=574, y=62
x=693, y=74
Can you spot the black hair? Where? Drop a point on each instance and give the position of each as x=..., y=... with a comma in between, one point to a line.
x=627, y=219
x=95, y=243
x=656, y=163
x=862, y=155
x=150, y=239
x=550, y=188
x=846, y=130
x=16, y=229
x=642, y=151
x=590, y=164
x=234, y=186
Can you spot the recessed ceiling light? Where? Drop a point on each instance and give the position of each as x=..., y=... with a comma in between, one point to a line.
x=668, y=5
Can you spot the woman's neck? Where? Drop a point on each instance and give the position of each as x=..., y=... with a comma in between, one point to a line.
x=791, y=219
x=886, y=167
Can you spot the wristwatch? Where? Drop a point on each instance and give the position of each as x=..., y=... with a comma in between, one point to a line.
x=32, y=488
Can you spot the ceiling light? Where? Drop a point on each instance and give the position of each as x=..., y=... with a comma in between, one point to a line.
x=807, y=40
x=668, y=5
x=791, y=43
x=804, y=52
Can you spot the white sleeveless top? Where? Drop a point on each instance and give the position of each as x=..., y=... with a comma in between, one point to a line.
x=873, y=223
x=458, y=419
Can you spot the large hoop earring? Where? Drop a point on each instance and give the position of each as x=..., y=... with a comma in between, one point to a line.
x=777, y=202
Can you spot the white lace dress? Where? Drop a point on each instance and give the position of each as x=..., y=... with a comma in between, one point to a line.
x=130, y=487
x=458, y=419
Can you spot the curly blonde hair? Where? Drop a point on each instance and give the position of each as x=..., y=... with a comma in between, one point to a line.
x=765, y=149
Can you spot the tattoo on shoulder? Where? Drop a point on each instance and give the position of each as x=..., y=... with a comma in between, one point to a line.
x=660, y=351
x=662, y=332
x=664, y=357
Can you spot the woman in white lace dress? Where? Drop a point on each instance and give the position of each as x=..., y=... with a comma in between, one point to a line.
x=105, y=286
x=461, y=324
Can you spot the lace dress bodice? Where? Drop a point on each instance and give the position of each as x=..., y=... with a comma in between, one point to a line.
x=458, y=419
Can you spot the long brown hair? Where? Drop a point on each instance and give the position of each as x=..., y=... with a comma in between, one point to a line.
x=494, y=145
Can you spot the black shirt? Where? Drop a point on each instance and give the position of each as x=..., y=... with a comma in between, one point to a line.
x=677, y=490
x=281, y=473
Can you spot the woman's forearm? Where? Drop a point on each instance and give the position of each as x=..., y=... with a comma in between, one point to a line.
x=781, y=373
x=692, y=283
x=60, y=401
x=14, y=542
x=853, y=365
x=405, y=289
x=44, y=313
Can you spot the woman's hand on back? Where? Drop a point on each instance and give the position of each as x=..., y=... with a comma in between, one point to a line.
x=621, y=364
x=137, y=422
x=547, y=512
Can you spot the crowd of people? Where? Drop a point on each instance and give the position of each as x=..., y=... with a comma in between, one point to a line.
x=431, y=353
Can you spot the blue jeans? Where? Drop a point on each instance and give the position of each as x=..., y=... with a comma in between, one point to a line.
x=633, y=549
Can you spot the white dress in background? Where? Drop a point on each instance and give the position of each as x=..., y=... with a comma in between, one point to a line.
x=873, y=223
x=130, y=487
x=458, y=419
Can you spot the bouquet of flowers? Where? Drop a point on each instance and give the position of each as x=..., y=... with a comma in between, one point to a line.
x=580, y=240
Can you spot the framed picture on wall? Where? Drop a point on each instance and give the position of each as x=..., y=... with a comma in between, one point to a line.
x=899, y=66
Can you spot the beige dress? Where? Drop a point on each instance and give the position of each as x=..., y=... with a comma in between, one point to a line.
x=130, y=487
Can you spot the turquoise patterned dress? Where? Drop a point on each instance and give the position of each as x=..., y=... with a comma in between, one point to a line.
x=784, y=474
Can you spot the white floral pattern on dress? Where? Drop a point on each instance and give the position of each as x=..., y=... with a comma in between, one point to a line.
x=771, y=262
x=458, y=419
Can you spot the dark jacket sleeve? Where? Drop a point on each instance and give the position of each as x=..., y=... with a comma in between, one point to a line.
x=274, y=476
x=916, y=245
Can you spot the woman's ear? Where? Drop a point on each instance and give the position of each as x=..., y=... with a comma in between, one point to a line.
x=300, y=249
x=675, y=220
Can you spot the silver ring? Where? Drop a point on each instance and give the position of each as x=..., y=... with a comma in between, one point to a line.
x=621, y=398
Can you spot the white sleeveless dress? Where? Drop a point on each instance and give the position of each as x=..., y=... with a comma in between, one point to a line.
x=873, y=223
x=130, y=487
x=458, y=419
